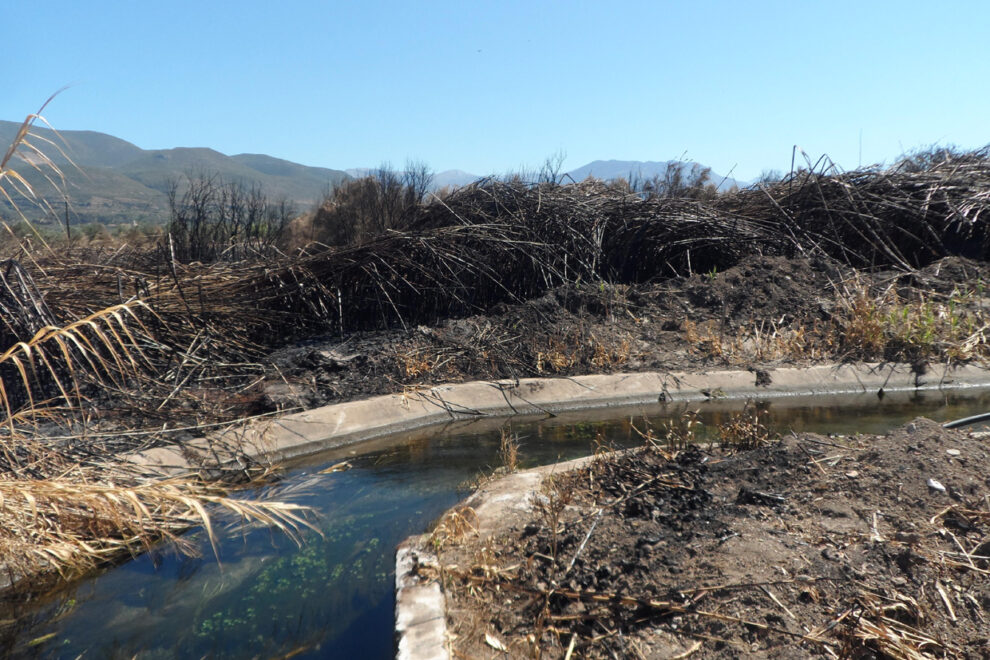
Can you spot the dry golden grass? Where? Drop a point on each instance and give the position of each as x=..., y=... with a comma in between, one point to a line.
x=557, y=357
x=31, y=150
x=455, y=525
x=866, y=325
x=508, y=450
x=608, y=356
x=414, y=363
x=75, y=523
x=678, y=433
x=102, y=345
x=746, y=429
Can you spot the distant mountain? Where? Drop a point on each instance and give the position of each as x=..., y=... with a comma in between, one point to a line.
x=614, y=169
x=117, y=182
x=454, y=178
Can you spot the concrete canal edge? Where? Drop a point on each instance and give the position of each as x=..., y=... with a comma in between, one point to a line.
x=421, y=621
x=420, y=609
x=300, y=434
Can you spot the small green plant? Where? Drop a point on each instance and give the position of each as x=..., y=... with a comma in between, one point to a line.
x=930, y=327
x=862, y=324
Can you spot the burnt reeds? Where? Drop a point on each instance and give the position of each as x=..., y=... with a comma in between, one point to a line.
x=86, y=518
x=903, y=217
x=131, y=331
x=505, y=241
x=492, y=242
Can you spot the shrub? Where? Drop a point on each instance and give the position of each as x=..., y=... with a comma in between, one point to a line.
x=210, y=219
x=363, y=208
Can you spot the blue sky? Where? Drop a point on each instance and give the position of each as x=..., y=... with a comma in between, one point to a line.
x=495, y=86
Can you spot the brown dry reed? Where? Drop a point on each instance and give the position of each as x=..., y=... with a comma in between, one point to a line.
x=79, y=521
x=69, y=506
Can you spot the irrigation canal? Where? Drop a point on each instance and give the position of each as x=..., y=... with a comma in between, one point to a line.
x=332, y=597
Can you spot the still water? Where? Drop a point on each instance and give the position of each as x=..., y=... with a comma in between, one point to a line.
x=332, y=597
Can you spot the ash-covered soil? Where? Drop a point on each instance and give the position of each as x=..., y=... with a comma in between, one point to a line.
x=766, y=311
x=811, y=546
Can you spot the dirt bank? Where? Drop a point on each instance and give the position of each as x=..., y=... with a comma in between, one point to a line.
x=808, y=546
x=764, y=312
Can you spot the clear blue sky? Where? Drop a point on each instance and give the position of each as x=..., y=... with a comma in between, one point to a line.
x=493, y=86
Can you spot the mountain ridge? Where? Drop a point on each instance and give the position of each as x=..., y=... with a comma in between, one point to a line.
x=111, y=180
x=114, y=181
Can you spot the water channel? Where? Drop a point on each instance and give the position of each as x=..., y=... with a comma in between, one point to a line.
x=332, y=597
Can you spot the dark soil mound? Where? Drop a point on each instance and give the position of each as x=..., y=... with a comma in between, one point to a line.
x=766, y=288
x=811, y=546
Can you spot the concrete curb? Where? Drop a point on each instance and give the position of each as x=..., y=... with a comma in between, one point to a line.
x=310, y=432
x=420, y=612
x=420, y=605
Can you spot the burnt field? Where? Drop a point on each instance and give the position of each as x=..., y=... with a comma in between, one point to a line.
x=762, y=546
x=118, y=347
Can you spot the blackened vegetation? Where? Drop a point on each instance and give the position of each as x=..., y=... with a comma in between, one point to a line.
x=359, y=209
x=803, y=547
x=23, y=313
x=222, y=288
x=500, y=241
x=210, y=220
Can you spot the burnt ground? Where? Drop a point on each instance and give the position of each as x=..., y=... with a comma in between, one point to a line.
x=808, y=546
x=766, y=311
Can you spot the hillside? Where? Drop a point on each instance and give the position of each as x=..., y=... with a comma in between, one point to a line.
x=117, y=182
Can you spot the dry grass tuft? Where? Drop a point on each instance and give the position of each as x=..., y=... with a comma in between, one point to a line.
x=414, y=363
x=888, y=627
x=75, y=523
x=454, y=526
x=678, y=432
x=557, y=357
x=32, y=150
x=747, y=429
x=508, y=450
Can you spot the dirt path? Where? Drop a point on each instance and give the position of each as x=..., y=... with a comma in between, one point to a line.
x=810, y=546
